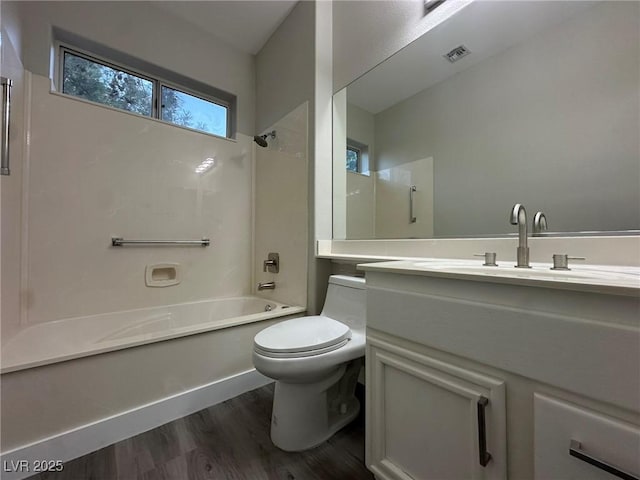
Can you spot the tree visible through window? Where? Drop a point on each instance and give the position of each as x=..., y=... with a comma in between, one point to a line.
x=353, y=159
x=87, y=78
x=99, y=83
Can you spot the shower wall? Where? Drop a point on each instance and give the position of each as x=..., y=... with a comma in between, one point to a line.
x=84, y=173
x=10, y=186
x=281, y=207
x=93, y=173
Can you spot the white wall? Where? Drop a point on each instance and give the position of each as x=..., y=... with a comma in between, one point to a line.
x=552, y=123
x=11, y=186
x=360, y=200
x=286, y=72
x=96, y=172
x=281, y=215
x=361, y=128
x=147, y=33
x=285, y=67
x=366, y=32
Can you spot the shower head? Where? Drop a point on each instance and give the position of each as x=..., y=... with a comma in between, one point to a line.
x=262, y=139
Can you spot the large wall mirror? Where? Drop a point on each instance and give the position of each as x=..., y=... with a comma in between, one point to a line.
x=539, y=105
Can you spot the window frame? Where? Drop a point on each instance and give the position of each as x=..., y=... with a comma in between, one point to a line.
x=157, y=83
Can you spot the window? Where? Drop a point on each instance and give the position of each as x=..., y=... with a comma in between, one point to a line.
x=357, y=157
x=193, y=112
x=354, y=159
x=102, y=82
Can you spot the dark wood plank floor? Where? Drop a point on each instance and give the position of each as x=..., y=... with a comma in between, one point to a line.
x=229, y=441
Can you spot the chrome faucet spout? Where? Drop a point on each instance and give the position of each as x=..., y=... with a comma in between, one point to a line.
x=519, y=217
x=266, y=285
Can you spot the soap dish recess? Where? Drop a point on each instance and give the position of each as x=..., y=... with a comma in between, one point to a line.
x=163, y=275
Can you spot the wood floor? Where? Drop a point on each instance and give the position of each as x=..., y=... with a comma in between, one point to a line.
x=229, y=441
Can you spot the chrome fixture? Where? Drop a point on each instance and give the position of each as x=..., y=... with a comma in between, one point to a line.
x=268, y=307
x=489, y=258
x=262, y=139
x=519, y=217
x=272, y=264
x=267, y=286
x=539, y=222
x=412, y=212
x=561, y=261
x=121, y=242
x=6, y=110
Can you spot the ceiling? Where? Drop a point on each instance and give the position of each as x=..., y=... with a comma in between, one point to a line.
x=484, y=27
x=245, y=24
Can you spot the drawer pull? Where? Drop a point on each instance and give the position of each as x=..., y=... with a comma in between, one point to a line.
x=482, y=432
x=575, y=450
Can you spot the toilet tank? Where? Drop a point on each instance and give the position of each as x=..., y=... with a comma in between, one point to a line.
x=346, y=300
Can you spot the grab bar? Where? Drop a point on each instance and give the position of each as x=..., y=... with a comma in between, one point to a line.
x=412, y=215
x=6, y=107
x=121, y=242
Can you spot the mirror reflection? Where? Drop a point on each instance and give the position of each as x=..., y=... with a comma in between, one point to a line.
x=505, y=102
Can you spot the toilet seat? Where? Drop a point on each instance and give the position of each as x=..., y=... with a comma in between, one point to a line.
x=302, y=337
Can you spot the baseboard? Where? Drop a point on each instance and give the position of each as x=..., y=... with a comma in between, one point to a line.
x=19, y=462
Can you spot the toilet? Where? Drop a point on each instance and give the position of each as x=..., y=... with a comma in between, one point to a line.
x=315, y=362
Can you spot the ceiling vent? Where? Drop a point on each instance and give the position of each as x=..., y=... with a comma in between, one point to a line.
x=457, y=53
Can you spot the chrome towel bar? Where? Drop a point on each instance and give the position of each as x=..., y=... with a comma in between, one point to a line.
x=6, y=109
x=121, y=242
x=412, y=212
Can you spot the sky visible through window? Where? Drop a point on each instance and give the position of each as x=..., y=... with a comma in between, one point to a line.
x=200, y=114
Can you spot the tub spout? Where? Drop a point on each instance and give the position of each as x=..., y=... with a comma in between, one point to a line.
x=266, y=286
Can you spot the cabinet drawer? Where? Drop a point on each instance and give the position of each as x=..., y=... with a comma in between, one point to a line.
x=558, y=424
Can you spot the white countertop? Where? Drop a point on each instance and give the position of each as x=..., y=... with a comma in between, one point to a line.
x=613, y=280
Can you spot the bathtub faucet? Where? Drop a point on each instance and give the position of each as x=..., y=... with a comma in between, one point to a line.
x=266, y=286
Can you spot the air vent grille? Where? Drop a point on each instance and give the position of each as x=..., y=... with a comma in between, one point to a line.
x=457, y=53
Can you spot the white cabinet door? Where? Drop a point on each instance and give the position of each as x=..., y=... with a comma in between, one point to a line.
x=427, y=419
x=604, y=448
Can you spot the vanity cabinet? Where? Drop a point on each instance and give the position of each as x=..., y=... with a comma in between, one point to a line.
x=556, y=373
x=429, y=419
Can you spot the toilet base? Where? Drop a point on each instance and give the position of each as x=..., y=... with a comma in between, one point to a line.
x=306, y=415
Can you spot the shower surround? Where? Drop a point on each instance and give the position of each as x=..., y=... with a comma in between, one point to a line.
x=91, y=173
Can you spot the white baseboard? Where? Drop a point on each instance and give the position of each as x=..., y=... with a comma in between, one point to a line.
x=96, y=435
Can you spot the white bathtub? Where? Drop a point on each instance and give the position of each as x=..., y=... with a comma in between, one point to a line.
x=71, y=338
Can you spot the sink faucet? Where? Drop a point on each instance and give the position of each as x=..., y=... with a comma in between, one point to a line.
x=540, y=223
x=519, y=217
x=266, y=286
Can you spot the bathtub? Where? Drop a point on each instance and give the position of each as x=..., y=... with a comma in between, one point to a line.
x=78, y=337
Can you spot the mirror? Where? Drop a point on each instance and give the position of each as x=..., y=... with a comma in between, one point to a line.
x=540, y=106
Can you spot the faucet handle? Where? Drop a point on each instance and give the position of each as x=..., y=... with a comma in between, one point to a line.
x=272, y=264
x=489, y=258
x=561, y=261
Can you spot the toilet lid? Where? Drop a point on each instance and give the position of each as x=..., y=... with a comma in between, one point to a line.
x=302, y=335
